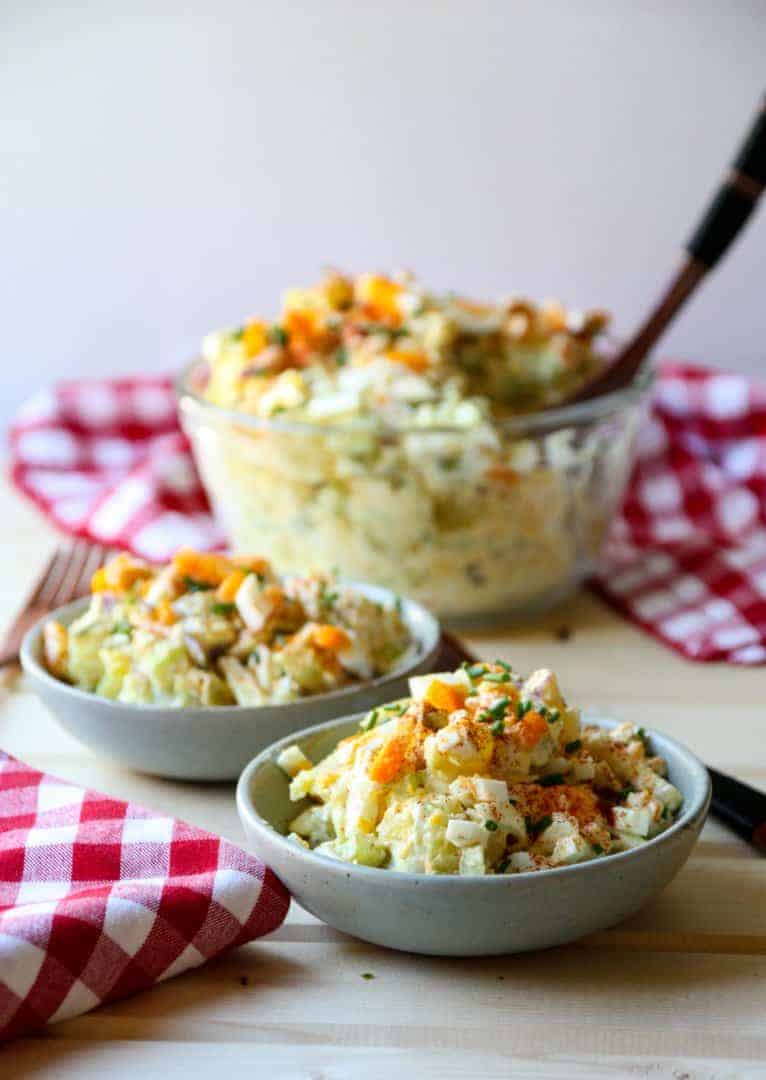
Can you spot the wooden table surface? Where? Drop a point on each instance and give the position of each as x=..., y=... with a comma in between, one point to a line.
x=677, y=991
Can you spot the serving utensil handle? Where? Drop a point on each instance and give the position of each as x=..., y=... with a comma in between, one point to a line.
x=735, y=199
x=728, y=211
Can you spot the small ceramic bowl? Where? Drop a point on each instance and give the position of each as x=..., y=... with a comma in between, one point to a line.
x=206, y=742
x=446, y=915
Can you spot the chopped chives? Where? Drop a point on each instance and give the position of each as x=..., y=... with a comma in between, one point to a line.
x=575, y=744
x=195, y=585
x=598, y=849
x=223, y=608
x=498, y=710
x=498, y=727
x=523, y=708
x=542, y=823
x=503, y=866
x=490, y=825
x=503, y=665
x=369, y=721
x=497, y=677
x=551, y=780
x=277, y=335
x=476, y=670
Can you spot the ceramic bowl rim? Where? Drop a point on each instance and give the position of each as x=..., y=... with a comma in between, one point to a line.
x=691, y=814
x=429, y=643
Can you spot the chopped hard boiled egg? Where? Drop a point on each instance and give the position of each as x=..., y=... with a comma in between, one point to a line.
x=482, y=771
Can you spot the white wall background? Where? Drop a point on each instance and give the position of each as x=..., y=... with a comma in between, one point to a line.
x=167, y=168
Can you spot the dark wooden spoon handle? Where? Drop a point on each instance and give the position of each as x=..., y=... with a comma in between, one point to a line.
x=725, y=216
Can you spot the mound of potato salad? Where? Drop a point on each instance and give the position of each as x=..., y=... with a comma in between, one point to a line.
x=211, y=630
x=480, y=771
x=375, y=424
x=375, y=348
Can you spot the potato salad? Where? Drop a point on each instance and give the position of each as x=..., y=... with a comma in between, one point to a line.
x=211, y=630
x=480, y=771
x=384, y=427
x=379, y=349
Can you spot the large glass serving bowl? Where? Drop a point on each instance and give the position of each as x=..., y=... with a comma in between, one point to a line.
x=472, y=523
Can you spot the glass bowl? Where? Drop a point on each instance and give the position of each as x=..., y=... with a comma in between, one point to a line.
x=473, y=523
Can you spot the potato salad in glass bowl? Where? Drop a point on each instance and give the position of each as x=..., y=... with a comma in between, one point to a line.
x=397, y=433
x=480, y=771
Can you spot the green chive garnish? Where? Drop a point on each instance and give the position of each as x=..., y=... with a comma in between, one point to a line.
x=341, y=356
x=490, y=825
x=277, y=335
x=553, y=716
x=498, y=710
x=503, y=665
x=497, y=677
x=542, y=823
x=523, y=708
x=195, y=585
x=475, y=671
x=570, y=747
x=498, y=727
x=503, y=866
x=223, y=609
x=598, y=849
x=369, y=721
x=551, y=780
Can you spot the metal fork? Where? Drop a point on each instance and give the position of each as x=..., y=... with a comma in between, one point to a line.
x=66, y=577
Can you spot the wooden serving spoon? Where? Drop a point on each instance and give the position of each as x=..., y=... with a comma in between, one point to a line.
x=730, y=208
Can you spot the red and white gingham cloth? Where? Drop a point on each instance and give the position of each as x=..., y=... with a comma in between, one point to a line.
x=100, y=898
x=686, y=558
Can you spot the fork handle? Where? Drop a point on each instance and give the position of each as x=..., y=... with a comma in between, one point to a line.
x=11, y=645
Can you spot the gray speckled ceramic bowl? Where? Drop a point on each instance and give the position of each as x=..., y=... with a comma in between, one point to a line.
x=213, y=743
x=468, y=916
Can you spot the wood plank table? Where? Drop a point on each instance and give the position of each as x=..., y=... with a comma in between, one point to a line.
x=677, y=991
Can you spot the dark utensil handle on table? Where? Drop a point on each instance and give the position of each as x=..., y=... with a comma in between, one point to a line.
x=740, y=807
x=737, y=805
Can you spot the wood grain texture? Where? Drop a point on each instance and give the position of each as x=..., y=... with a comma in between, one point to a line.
x=678, y=990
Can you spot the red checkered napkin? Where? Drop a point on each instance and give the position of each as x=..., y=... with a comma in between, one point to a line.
x=106, y=460
x=100, y=898
x=686, y=559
